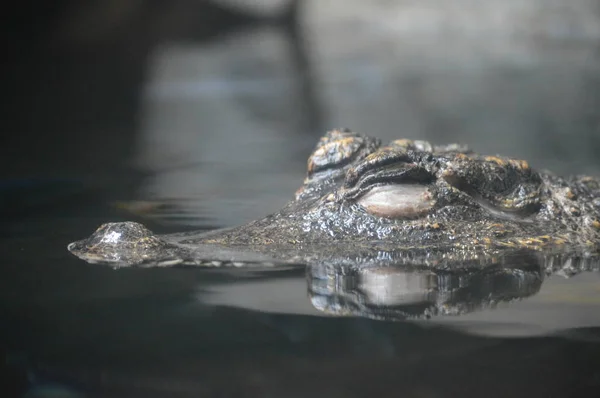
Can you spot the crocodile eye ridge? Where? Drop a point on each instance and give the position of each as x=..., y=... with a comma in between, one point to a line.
x=339, y=148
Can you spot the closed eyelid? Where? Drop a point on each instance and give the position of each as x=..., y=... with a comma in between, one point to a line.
x=397, y=201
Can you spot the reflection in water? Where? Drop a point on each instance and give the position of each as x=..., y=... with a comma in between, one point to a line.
x=479, y=294
x=415, y=289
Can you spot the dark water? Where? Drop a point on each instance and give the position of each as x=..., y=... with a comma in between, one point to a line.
x=161, y=115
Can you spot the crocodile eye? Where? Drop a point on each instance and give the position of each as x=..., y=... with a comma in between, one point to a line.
x=397, y=200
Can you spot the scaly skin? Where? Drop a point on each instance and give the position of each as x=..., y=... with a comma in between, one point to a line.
x=452, y=203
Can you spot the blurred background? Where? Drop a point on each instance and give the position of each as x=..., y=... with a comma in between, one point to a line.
x=203, y=112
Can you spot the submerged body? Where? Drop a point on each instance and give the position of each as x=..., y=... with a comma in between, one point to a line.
x=365, y=203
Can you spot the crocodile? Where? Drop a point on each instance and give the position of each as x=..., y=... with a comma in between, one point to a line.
x=366, y=203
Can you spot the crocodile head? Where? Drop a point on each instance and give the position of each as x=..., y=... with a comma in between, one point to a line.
x=362, y=199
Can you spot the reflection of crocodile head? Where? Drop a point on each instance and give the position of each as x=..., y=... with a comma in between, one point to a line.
x=414, y=286
x=416, y=290
x=361, y=199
